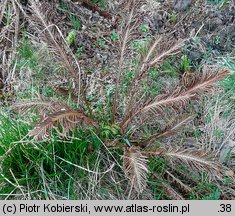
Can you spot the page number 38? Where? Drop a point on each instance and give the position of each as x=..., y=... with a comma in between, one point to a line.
x=225, y=208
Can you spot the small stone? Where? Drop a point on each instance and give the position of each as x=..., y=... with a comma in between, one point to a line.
x=182, y=5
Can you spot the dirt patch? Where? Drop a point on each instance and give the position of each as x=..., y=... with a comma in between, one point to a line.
x=211, y=24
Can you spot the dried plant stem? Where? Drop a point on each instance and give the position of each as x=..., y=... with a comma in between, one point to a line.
x=62, y=53
x=135, y=167
x=17, y=19
x=93, y=7
x=191, y=89
x=127, y=31
x=146, y=65
x=3, y=5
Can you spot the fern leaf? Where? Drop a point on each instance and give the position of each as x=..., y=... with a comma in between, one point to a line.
x=39, y=105
x=135, y=169
x=174, y=100
x=177, y=126
x=194, y=158
x=202, y=83
x=168, y=131
x=170, y=177
x=191, y=89
x=62, y=121
x=42, y=13
x=172, y=193
x=126, y=35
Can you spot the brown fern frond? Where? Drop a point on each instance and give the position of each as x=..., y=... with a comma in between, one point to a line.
x=41, y=106
x=191, y=89
x=172, y=193
x=135, y=167
x=163, y=101
x=177, y=125
x=63, y=121
x=199, y=84
x=158, y=51
x=126, y=35
x=25, y=106
x=196, y=159
x=41, y=12
x=175, y=100
x=168, y=131
x=172, y=178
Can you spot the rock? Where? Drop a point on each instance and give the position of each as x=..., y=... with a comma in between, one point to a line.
x=182, y=5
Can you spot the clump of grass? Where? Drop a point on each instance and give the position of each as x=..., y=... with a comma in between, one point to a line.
x=50, y=170
x=26, y=54
x=229, y=83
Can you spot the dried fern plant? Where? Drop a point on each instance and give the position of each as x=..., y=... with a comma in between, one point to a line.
x=135, y=167
x=48, y=33
x=140, y=109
